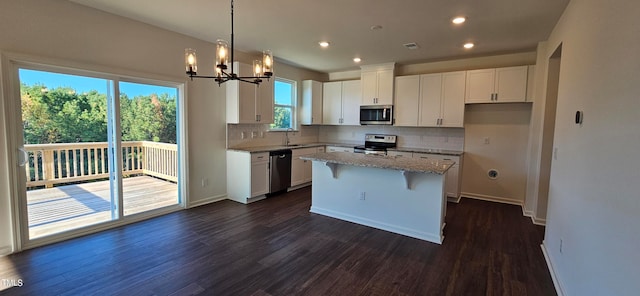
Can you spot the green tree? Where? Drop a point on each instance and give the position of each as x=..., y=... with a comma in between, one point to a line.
x=281, y=117
x=63, y=116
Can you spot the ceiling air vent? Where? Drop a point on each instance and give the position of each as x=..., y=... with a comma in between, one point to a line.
x=411, y=45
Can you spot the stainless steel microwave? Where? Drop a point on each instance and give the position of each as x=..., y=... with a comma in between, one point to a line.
x=376, y=114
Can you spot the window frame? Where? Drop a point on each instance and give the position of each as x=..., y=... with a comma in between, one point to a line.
x=293, y=106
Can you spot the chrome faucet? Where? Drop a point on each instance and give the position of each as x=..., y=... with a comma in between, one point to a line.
x=286, y=135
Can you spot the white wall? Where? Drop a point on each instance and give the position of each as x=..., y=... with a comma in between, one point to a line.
x=594, y=202
x=78, y=36
x=507, y=128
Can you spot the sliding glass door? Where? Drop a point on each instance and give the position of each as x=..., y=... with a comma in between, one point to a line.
x=149, y=150
x=64, y=126
x=94, y=149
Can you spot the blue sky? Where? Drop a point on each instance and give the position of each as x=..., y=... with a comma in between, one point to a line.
x=85, y=84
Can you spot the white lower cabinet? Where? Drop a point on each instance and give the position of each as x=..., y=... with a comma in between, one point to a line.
x=259, y=174
x=339, y=149
x=301, y=168
x=454, y=175
x=400, y=154
x=453, y=182
x=247, y=176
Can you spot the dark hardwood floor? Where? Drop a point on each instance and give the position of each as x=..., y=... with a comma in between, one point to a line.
x=276, y=247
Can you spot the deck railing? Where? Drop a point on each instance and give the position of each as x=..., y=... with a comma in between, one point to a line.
x=50, y=164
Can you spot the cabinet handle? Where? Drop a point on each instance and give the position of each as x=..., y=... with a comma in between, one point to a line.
x=496, y=97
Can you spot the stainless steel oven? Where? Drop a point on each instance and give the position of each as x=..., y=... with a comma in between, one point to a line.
x=376, y=144
x=376, y=114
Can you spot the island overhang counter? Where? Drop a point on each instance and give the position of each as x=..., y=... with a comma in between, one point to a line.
x=400, y=195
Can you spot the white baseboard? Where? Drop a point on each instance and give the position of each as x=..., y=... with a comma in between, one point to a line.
x=534, y=219
x=492, y=198
x=298, y=186
x=207, y=200
x=554, y=278
x=526, y=213
x=454, y=199
x=5, y=251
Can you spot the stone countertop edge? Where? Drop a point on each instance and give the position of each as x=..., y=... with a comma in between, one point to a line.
x=428, y=150
x=439, y=167
x=309, y=145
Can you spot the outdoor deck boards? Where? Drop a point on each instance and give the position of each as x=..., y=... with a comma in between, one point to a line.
x=67, y=207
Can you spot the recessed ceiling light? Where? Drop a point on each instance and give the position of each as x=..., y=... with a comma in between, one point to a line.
x=324, y=43
x=357, y=60
x=458, y=20
x=468, y=45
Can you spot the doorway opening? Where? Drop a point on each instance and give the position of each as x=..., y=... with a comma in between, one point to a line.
x=553, y=82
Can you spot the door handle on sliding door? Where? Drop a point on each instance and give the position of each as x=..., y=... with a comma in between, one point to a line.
x=25, y=157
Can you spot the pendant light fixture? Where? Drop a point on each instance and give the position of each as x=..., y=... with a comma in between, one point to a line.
x=224, y=60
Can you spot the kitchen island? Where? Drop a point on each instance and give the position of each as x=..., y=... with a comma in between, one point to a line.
x=400, y=195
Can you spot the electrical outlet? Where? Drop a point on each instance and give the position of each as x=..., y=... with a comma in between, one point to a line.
x=362, y=195
x=243, y=135
x=254, y=134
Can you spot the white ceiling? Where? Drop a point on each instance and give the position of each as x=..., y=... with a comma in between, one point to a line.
x=293, y=28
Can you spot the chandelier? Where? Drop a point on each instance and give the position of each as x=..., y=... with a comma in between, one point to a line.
x=224, y=60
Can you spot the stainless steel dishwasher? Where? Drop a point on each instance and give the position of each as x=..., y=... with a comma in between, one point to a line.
x=280, y=172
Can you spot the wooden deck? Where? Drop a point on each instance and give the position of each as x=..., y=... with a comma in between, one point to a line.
x=62, y=208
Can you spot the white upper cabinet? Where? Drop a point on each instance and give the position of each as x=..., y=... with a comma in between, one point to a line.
x=430, y=99
x=452, y=101
x=407, y=100
x=332, y=103
x=311, y=111
x=435, y=100
x=341, y=102
x=377, y=84
x=247, y=102
x=531, y=83
x=351, y=96
x=264, y=101
x=500, y=85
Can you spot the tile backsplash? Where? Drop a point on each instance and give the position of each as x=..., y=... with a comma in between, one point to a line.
x=254, y=135
x=414, y=137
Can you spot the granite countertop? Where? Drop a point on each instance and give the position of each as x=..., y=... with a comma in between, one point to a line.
x=385, y=162
x=427, y=150
x=282, y=147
